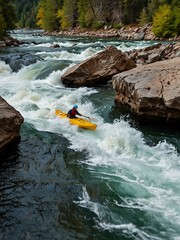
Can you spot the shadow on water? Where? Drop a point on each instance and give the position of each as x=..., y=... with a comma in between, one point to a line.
x=36, y=188
x=41, y=181
x=40, y=184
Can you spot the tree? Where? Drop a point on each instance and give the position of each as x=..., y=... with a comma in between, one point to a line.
x=26, y=13
x=68, y=14
x=2, y=26
x=143, y=18
x=47, y=14
x=176, y=14
x=82, y=10
x=132, y=9
x=50, y=16
x=7, y=16
x=40, y=17
x=163, y=22
x=153, y=6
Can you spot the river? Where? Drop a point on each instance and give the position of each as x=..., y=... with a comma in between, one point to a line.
x=120, y=182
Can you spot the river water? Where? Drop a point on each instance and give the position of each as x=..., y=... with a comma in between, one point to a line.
x=121, y=181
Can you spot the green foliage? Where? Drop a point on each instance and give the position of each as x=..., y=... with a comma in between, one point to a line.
x=47, y=14
x=143, y=18
x=7, y=16
x=117, y=25
x=2, y=26
x=40, y=17
x=132, y=10
x=68, y=14
x=50, y=20
x=82, y=10
x=176, y=14
x=26, y=13
x=97, y=25
x=163, y=22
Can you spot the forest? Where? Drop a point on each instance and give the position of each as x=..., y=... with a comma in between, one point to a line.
x=50, y=15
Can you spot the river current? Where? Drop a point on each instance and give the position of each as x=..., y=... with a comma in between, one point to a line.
x=120, y=182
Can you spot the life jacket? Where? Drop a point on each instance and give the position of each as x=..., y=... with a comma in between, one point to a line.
x=72, y=112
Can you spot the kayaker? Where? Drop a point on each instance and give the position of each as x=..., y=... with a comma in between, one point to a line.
x=73, y=112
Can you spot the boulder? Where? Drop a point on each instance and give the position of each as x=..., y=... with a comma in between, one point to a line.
x=17, y=61
x=155, y=53
x=98, y=69
x=151, y=91
x=10, y=122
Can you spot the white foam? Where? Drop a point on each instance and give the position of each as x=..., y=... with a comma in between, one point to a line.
x=4, y=69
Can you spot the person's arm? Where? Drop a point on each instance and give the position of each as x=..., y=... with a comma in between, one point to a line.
x=69, y=113
x=77, y=113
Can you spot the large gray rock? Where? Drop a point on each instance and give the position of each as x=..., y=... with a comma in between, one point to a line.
x=151, y=91
x=10, y=122
x=17, y=61
x=98, y=69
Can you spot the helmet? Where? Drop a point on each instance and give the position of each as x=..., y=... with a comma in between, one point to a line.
x=75, y=106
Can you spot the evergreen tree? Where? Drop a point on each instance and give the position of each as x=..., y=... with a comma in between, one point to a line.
x=82, y=10
x=176, y=14
x=26, y=13
x=143, y=18
x=7, y=16
x=50, y=16
x=163, y=22
x=132, y=9
x=68, y=14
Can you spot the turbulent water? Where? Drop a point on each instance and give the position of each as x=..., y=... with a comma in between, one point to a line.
x=60, y=182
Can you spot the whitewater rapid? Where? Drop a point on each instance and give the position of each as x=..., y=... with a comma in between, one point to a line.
x=141, y=176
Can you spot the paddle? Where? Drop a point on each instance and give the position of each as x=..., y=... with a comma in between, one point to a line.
x=88, y=117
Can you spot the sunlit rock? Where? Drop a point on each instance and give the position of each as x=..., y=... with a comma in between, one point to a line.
x=151, y=91
x=98, y=69
x=10, y=123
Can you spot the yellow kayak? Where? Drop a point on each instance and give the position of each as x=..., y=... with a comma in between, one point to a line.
x=80, y=122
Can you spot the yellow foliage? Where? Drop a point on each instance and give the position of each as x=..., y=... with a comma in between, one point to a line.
x=162, y=21
x=40, y=17
x=63, y=19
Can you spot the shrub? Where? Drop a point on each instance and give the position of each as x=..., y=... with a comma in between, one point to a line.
x=97, y=25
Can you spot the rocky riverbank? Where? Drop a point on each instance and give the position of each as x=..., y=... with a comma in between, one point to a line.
x=125, y=33
x=136, y=33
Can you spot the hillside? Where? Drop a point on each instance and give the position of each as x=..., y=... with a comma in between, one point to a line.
x=26, y=13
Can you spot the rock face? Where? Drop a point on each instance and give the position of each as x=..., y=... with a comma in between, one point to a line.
x=10, y=122
x=155, y=53
x=151, y=91
x=98, y=69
